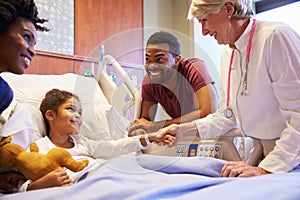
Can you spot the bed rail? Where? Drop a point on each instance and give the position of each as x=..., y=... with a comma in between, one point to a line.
x=123, y=97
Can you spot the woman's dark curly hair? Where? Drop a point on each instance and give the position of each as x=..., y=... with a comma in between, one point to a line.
x=53, y=99
x=11, y=10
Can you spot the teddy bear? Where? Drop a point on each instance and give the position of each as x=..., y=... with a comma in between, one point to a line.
x=34, y=165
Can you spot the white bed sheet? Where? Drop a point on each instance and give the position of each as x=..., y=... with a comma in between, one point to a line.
x=152, y=177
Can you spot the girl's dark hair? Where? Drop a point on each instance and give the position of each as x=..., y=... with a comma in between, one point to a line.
x=162, y=37
x=53, y=99
x=11, y=10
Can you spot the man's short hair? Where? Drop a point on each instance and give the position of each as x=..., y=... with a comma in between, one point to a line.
x=163, y=37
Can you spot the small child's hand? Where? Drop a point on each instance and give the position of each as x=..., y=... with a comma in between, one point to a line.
x=55, y=178
x=166, y=140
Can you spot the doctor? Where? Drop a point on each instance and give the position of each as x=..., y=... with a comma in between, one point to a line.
x=18, y=25
x=260, y=78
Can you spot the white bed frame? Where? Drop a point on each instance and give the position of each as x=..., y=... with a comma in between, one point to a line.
x=123, y=97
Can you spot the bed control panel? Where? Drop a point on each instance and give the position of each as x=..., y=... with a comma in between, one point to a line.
x=180, y=150
x=210, y=150
x=222, y=148
x=201, y=149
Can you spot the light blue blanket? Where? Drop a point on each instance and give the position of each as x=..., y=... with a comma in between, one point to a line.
x=160, y=177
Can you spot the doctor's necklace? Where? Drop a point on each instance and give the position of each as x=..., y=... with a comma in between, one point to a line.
x=228, y=111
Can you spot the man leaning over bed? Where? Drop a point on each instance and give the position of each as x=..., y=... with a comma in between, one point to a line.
x=183, y=87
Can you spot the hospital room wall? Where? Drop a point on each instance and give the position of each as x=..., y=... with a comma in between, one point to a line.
x=134, y=20
x=96, y=23
x=168, y=15
x=171, y=15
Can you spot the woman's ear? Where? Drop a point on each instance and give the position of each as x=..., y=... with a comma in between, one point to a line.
x=229, y=8
x=50, y=114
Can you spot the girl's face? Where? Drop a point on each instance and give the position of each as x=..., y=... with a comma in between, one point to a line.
x=17, y=46
x=67, y=119
x=159, y=62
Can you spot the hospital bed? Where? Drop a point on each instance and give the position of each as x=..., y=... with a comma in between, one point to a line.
x=182, y=172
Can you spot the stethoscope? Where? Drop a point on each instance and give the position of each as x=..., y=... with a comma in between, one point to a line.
x=228, y=111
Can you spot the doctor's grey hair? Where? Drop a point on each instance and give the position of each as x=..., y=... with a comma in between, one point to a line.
x=200, y=9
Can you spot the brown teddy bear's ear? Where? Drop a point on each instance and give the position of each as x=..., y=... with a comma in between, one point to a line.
x=5, y=141
x=34, y=148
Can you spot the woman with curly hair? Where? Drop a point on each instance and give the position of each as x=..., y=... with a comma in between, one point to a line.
x=19, y=23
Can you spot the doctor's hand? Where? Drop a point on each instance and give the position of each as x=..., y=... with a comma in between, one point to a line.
x=241, y=169
x=145, y=124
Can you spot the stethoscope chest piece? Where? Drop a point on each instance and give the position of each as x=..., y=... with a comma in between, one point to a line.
x=228, y=113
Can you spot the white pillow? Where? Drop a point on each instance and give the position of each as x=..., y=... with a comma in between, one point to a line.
x=31, y=89
x=25, y=125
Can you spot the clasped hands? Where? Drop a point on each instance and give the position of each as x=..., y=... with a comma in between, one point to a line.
x=155, y=137
x=154, y=131
x=146, y=125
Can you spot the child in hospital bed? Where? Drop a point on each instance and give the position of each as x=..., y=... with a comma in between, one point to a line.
x=62, y=115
